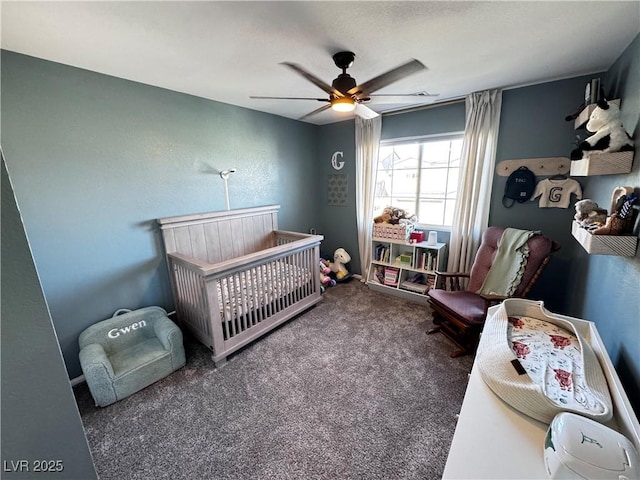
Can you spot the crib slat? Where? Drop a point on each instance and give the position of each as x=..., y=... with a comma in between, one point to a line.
x=237, y=236
x=214, y=319
x=229, y=306
x=299, y=277
x=290, y=276
x=259, y=233
x=198, y=242
x=225, y=240
x=233, y=299
x=314, y=278
x=169, y=239
x=223, y=308
x=305, y=280
x=252, y=296
x=202, y=303
x=242, y=278
x=256, y=302
x=277, y=306
x=249, y=238
x=268, y=229
x=183, y=241
x=212, y=237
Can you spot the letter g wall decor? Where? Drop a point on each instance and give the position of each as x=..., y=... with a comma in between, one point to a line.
x=337, y=165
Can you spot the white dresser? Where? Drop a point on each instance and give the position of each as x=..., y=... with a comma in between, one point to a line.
x=494, y=441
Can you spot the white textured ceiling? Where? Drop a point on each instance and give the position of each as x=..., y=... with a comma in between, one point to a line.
x=227, y=51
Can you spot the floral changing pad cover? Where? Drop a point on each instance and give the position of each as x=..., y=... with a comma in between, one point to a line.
x=552, y=358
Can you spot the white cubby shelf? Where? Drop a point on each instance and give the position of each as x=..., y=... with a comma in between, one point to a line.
x=405, y=269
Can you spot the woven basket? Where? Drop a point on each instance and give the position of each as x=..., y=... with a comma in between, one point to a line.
x=494, y=358
x=394, y=232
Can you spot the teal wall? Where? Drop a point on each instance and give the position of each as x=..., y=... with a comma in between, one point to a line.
x=532, y=125
x=607, y=286
x=40, y=419
x=338, y=224
x=94, y=160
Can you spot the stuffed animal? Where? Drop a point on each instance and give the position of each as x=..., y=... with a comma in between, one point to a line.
x=608, y=133
x=340, y=257
x=394, y=215
x=325, y=279
x=621, y=220
x=589, y=214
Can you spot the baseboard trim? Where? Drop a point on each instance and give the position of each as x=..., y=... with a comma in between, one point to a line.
x=77, y=380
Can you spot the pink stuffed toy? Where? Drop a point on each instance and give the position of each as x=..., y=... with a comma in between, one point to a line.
x=325, y=279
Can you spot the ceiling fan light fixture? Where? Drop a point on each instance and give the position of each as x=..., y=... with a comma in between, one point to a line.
x=344, y=104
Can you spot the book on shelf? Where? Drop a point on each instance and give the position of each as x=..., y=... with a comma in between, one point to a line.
x=381, y=253
x=428, y=261
x=391, y=276
x=378, y=274
x=414, y=287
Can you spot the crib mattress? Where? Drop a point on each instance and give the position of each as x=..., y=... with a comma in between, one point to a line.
x=243, y=292
x=539, y=364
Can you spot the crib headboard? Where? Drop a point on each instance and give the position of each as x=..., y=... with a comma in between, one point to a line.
x=217, y=236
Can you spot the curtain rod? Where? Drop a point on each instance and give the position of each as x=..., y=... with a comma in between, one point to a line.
x=423, y=107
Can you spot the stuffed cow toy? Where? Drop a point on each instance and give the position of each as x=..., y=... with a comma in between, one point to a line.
x=608, y=133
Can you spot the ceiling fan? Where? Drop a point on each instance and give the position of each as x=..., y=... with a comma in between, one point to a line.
x=345, y=95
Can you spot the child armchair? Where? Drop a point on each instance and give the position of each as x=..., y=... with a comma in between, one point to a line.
x=129, y=352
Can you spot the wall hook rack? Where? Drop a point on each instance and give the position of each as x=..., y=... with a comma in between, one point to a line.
x=541, y=167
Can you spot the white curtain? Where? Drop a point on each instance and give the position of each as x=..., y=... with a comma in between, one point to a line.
x=477, y=162
x=367, y=147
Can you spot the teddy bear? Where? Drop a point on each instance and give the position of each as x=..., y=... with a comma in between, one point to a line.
x=394, y=216
x=589, y=214
x=608, y=133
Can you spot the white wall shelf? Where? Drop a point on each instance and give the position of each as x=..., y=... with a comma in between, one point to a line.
x=620, y=245
x=598, y=163
x=602, y=164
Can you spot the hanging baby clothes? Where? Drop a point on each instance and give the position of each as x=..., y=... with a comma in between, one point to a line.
x=556, y=193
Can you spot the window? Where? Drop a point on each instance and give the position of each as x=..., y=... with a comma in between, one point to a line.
x=420, y=176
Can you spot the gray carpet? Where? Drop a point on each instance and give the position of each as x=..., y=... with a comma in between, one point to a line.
x=353, y=388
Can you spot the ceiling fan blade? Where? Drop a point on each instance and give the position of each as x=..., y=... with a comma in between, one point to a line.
x=317, y=110
x=365, y=112
x=313, y=79
x=411, y=98
x=291, y=98
x=387, y=78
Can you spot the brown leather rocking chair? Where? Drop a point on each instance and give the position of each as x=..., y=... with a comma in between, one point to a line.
x=458, y=312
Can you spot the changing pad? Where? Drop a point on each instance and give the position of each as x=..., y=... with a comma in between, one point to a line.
x=539, y=363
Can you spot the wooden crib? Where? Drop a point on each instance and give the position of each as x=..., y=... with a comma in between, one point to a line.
x=235, y=276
